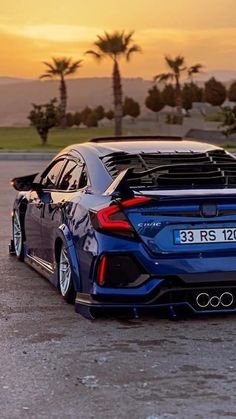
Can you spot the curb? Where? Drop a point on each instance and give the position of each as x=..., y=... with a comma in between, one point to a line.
x=26, y=156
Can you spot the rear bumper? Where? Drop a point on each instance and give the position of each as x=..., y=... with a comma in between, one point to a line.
x=166, y=298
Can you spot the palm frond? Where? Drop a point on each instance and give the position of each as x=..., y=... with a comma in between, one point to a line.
x=50, y=66
x=128, y=37
x=73, y=67
x=46, y=75
x=163, y=77
x=60, y=67
x=133, y=49
x=95, y=54
x=115, y=45
x=194, y=69
x=177, y=64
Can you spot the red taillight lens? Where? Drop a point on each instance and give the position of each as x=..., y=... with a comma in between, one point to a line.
x=135, y=201
x=113, y=218
x=102, y=270
x=120, y=270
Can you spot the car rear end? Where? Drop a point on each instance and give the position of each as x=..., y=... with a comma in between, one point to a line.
x=167, y=236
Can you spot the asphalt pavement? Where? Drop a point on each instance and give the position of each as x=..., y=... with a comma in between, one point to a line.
x=56, y=364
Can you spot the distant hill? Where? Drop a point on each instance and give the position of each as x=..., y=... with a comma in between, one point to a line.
x=17, y=96
x=225, y=76
x=13, y=80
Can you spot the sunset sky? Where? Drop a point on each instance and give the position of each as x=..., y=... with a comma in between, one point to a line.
x=33, y=31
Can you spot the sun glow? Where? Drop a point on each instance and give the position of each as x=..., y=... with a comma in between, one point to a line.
x=54, y=33
x=203, y=32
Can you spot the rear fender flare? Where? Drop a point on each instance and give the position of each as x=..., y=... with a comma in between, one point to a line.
x=65, y=236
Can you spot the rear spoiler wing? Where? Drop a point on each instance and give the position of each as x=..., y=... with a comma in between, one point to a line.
x=120, y=187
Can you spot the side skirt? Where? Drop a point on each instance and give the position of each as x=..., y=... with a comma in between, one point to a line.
x=41, y=266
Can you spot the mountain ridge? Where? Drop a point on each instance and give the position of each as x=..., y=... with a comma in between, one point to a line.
x=17, y=95
x=224, y=75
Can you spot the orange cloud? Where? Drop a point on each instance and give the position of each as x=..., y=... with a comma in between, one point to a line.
x=24, y=47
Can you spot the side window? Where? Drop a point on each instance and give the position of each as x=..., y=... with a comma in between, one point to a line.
x=70, y=180
x=83, y=178
x=49, y=180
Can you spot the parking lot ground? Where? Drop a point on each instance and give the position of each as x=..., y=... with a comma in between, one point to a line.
x=56, y=364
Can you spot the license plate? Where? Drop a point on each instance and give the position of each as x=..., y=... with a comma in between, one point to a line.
x=207, y=236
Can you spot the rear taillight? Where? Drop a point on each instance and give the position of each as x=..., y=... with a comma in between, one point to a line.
x=113, y=219
x=102, y=270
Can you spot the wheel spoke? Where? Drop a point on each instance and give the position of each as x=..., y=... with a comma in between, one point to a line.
x=64, y=272
x=17, y=234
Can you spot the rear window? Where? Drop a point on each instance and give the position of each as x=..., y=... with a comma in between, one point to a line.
x=184, y=169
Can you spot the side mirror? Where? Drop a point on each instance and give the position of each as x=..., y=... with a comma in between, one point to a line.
x=25, y=183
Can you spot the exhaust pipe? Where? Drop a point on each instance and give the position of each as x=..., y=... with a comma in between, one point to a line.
x=227, y=299
x=204, y=300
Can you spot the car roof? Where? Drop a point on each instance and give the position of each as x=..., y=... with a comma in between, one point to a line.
x=141, y=146
x=153, y=147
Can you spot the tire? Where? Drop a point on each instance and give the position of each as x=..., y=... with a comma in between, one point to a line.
x=18, y=235
x=65, y=280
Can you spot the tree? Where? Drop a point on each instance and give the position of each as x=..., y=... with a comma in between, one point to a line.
x=109, y=114
x=168, y=95
x=61, y=68
x=100, y=113
x=187, y=97
x=77, y=119
x=232, y=92
x=229, y=122
x=69, y=119
x=91, y=120
x=43, y=118
x=84, y=114
x=194, y=69
x=115, y=46
x=131, y=107
x=190, y=93
x=197, y=92
x=215, y=92
x=154, y=100
x=177, y=67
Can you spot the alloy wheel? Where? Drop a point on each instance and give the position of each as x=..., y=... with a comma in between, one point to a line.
x=17, y=234
x=64, y=272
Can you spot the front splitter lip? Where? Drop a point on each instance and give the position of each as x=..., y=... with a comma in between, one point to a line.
x=86, y=300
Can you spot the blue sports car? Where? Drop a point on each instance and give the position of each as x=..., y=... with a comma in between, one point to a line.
x=133, y=223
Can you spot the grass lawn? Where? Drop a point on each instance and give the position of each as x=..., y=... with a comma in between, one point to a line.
x=28, y=139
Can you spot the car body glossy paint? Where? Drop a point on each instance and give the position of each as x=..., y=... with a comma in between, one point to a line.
x=53, y=215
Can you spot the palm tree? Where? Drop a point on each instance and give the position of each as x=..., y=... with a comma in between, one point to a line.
x=115, y=46
x=194, y=69
x=177, y=67
x=60, y=68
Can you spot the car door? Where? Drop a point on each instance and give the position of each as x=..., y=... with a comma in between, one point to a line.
x=54, y=209
x=36, y=206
